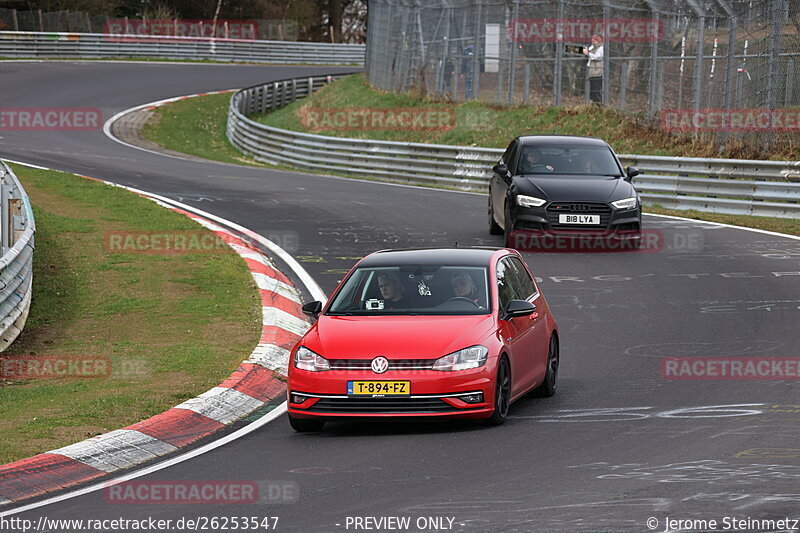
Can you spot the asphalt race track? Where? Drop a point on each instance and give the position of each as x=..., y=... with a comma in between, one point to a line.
x=617, y=445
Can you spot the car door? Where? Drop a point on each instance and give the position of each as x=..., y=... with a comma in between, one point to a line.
x=516, y=332
x=536, y=337
x=500, y=184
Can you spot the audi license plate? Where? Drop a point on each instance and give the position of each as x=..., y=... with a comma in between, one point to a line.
x=379, y=388
x=579, y=219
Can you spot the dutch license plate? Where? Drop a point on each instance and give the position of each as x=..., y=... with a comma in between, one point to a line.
x=381, y=388
x=579, y=219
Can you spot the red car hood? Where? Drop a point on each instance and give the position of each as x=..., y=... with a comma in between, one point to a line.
x=407, y=337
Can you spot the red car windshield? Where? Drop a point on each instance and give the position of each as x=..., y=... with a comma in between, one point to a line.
x=413, y=290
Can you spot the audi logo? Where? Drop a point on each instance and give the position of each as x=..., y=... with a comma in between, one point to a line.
x=380, y=365
x=580, y=207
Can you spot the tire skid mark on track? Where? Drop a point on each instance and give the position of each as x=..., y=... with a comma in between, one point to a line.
x=256, y=381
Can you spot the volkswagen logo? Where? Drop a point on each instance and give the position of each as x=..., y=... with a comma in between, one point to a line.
x=579, y=207
x=380, y=364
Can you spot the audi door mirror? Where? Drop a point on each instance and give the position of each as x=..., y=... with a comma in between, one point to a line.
x=631, y=172
x=501, y=169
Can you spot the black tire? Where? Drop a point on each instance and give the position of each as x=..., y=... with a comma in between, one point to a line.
x=502, y=394
x=550, y=384
x=509, y=227
x=494, y=227
x=306, y=425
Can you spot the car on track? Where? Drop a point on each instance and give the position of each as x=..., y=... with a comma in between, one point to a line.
x=445, y=332
x=559, y=184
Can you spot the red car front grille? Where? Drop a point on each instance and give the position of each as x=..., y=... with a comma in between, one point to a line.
x=380, y=405
x=394, y=364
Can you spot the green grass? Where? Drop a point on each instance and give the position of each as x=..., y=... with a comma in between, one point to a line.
x=483, y=124
x=197, y=126
x=173, y=326
x=780, y=225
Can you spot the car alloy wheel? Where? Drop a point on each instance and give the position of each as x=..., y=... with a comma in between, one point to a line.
x=550, y=383
x=494, y=227
x=509, y=227
x=502, y=394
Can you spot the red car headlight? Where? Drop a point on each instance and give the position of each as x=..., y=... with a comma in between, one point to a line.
x=472, y=357
x=305, y=359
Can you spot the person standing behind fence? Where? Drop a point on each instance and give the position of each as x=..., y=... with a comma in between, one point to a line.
x=595, y=70
x=466, y=69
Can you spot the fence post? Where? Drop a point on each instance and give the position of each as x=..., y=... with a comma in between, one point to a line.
x=776, y=7
x=14, y=19
x=653, y=82
x=527, y=88
x=623, y=87
x=476, y=64
x=559, y=64
x=698, y=61
x=512, y=78
x=733, y=22
x=606, y=52
x=500, y=81
x=789, y=83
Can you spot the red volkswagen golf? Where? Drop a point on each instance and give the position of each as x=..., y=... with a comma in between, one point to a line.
x=456, y=333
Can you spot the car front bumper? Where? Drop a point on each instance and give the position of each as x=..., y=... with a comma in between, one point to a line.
x=432, y=394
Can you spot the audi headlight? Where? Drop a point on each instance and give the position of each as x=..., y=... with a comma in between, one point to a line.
x=627, y=203
x=305, y=359
x=530, y=201
x=472, y=357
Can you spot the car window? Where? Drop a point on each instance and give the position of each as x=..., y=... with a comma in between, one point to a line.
x=509, y=158
x=525, y=287
x=506, y=283
x=577, y=161
x=413, y=290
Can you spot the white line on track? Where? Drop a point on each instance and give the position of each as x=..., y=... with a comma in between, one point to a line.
x=241, y=432
x=312, y=286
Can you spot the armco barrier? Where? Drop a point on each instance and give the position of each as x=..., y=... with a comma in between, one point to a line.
x=16, y=44
x=765, y=188
x=16, y=276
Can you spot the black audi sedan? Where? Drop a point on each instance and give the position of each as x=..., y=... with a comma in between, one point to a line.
x=559, y=184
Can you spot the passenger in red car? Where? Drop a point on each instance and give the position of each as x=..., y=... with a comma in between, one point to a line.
x=391, y=291
x=464, y=287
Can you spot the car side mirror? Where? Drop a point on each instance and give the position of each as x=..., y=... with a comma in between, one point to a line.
x=501, y=169
x=631, y=173
x=312, y=309
x=516, y=308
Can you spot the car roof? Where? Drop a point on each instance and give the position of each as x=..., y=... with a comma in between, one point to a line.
x=545, y=140
x=431, y=256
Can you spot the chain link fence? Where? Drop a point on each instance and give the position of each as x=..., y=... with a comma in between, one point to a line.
x=674, y=61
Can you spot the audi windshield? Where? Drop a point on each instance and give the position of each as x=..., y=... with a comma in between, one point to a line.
x=581, y=161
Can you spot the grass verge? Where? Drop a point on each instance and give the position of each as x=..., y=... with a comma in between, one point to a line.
x=196, y=126
x=484, y=124
x=172, y=326
x=779, y=225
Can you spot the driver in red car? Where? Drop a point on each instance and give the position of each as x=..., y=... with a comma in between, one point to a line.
x=392, y=292
x=464, y=287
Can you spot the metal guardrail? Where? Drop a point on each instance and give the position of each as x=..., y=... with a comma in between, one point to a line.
x=764, y=188
x=16, y=276
x=17, y=44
